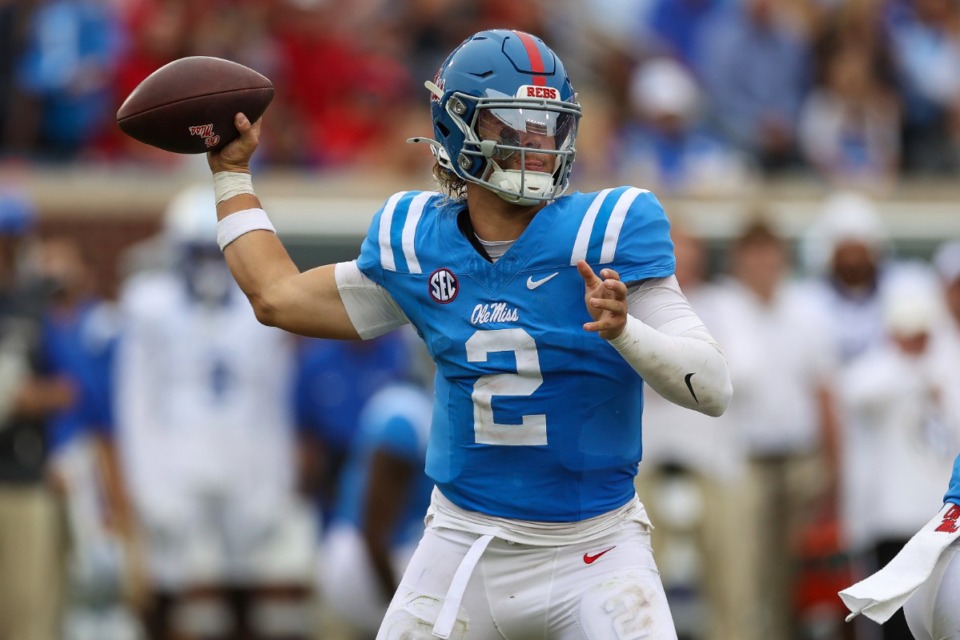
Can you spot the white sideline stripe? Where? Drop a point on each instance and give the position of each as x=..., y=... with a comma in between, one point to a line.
x=386, y=221
x=582, y=243
x=410, y=230
x=615, y=224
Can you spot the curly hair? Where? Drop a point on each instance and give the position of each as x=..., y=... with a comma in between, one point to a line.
x=451, y=185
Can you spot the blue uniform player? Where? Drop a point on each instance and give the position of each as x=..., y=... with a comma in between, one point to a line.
x=545, y=314
x=932, y=612
x=378, y=515
x=923, y=578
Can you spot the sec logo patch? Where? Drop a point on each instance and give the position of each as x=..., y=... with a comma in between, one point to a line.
x=444, y=286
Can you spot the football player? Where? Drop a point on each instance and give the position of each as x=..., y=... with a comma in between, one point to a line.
x=205, y=433
x=545, y=315
x=932, y=612
x=924, y=578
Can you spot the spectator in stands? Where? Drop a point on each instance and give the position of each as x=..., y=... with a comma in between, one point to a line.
x=674, y=25
x=32, y=390
x=756, y=72
x=665, y=146
x=926, y=40
x=849, y=128
x=68, y=67
x=205, y=428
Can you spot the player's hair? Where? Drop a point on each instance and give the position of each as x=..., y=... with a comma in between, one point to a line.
x=451, y=185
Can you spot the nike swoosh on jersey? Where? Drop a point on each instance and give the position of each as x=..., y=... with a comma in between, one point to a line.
x=686, y=379
x=533, y=284
x=590, y=559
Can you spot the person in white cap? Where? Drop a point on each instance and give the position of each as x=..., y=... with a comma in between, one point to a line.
x=665, y=143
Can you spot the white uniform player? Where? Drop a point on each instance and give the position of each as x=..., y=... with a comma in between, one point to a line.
x=205, y=427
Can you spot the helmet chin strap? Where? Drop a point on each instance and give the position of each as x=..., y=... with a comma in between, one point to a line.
x=520, y=186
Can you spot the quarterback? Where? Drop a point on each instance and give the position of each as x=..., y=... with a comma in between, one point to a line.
x=545, y=314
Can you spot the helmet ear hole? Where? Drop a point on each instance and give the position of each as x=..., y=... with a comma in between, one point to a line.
x=442, y=128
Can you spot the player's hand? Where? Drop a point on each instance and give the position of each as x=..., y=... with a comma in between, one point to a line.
x=606, y=301
x=236, y=155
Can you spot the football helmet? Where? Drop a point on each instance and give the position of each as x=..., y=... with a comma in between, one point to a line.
x=505, y=116
x=190, y=228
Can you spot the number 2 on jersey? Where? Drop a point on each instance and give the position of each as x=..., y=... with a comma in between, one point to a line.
x=533, y=429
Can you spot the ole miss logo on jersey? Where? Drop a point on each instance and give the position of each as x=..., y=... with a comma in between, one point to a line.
x=443, y=286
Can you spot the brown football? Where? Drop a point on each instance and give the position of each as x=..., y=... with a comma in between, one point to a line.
x=188, y=105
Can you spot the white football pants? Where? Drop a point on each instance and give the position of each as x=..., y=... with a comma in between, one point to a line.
x=605, y=589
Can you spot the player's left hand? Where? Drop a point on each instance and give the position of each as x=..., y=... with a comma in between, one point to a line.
x=606, y=301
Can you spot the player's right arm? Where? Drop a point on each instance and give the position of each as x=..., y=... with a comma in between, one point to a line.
x=306, y=303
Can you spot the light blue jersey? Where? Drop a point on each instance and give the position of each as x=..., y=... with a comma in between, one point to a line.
x=396, y=420
x=953, y=493
x=534, y=417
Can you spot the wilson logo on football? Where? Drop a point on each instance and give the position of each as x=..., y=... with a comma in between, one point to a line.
x=443, y=286
x=205, y=131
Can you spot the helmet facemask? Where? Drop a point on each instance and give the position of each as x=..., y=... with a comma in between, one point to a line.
x=522, y=149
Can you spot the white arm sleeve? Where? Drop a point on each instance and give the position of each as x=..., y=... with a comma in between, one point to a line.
x=668, y=345
x=371, y=308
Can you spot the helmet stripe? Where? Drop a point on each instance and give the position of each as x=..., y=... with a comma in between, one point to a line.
x=536, y=61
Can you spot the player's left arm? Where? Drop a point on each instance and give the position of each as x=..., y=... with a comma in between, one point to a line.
x=659, y=334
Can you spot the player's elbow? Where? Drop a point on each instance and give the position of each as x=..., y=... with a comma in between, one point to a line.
x=266, y=311
x=712, y=390
x=717, y=402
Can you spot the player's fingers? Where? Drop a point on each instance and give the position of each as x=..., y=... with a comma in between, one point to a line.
x=616, y=287
x=608, y=304
x=604, y=326
x=589, y=277
x=609, y=274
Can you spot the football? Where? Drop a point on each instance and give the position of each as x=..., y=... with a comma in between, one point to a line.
x=188, y=105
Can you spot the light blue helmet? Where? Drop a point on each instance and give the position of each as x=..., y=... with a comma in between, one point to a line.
x=494, y=93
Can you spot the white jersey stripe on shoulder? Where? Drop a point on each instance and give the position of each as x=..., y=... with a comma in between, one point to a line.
x=615, y=223
x=582, y=243
x=410, y=230
x=386, y=222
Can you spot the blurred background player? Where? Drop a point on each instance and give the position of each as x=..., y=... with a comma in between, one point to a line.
x=384, y=492
x=204, y=412
x=106, y=577
x=335, y=380
x=33, y=389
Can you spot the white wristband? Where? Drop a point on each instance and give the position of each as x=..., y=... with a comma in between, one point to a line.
x=241, y=222
x=227, y=184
